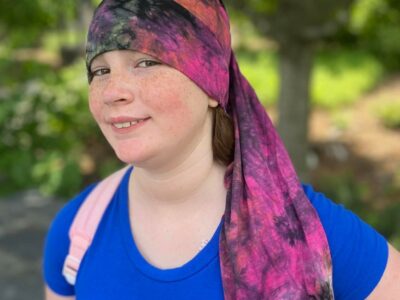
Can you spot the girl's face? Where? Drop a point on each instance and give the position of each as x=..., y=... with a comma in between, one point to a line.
x=150, y=113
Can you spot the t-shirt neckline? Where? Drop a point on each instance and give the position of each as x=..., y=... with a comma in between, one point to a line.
x=202, y=259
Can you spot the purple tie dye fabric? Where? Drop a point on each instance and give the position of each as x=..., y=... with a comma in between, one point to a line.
x=272, y=244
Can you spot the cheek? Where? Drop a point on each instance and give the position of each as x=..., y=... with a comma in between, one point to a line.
x=172, y=105
x=94, y=105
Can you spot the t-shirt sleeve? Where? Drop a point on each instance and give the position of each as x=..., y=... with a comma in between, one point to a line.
x=359, y=253
x=57, y=245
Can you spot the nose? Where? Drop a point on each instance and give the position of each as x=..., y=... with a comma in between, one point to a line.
x=117, y=90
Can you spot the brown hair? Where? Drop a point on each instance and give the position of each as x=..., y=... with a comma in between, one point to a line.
x=223, y=142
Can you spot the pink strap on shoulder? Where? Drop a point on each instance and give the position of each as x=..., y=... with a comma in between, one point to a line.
x=87, y=220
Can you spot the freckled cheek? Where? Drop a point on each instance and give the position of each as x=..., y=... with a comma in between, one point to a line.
x=171, y=106
x=95, y=105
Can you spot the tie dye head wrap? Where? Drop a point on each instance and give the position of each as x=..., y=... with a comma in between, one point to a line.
x=272, y=244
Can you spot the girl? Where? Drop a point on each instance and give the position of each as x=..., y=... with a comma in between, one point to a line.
x=211, y=207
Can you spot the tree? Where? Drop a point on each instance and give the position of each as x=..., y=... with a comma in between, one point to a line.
x=298, y=27
x=376, y=23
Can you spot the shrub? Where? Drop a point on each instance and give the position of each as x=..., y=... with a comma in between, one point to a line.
x=44, y=123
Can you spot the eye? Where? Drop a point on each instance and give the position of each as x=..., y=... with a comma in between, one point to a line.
x=147, y=63
x=99, y=72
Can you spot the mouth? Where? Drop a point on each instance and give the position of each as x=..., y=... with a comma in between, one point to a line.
x=128, y=124
x=124, y=126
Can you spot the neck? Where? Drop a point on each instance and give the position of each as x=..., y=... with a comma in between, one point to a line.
x=192, y=180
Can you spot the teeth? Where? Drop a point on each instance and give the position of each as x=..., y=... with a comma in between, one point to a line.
x=126, y=124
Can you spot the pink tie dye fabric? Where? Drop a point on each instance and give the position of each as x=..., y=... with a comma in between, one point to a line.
x=272, y=244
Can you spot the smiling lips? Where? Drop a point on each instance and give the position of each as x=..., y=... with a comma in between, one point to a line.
x=122, y=125
x=126, y=124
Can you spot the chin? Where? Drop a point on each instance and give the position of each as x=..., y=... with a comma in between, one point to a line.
x=129, y=157
x=133, y=155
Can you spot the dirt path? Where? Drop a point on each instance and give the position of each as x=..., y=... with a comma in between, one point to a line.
x=24, y=220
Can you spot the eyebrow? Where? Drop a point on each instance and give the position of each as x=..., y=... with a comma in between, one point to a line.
x=134, y=55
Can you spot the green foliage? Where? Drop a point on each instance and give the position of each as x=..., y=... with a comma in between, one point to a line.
x=362, y=12
x=43, y=124
x=23, y=71
x=263, y=7
x=389, y=114
x=293, y=22
x=95, y=3
x=260, y=69
x=22, y=22
x=340, y=76
x=377, y=25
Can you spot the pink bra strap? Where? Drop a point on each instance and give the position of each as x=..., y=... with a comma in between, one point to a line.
x=87, y=220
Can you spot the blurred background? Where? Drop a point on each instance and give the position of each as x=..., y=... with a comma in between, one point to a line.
x=327, y=72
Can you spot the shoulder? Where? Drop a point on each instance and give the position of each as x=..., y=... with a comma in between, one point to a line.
x=66, y=214
x=57, y=244
x=359, y=253
x=335, y=217
x=321, y=203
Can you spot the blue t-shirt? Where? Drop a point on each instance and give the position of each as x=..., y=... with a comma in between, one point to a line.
x=113, y=267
